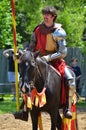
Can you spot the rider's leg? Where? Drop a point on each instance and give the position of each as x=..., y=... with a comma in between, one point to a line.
x=71, y=84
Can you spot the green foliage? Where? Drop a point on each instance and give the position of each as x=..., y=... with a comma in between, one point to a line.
x=5, y=24
x=72, y=18
x=28, y=15
x=6, y=34
x=81, y=104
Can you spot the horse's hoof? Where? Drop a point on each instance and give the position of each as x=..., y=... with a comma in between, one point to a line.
x=22, y=115
x=68, y=114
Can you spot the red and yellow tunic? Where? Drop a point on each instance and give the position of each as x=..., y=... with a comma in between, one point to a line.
x=46, y=44
x=45, y=40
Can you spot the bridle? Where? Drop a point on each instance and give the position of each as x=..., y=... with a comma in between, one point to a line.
x=29, y=85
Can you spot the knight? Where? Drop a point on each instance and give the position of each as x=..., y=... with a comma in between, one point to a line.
x=50, y=38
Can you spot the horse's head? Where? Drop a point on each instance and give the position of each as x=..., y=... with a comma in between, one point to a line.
x=27, y=65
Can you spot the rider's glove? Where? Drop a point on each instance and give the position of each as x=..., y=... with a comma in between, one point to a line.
x=46, y=58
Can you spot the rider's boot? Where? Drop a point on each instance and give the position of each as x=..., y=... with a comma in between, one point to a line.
x=23, y=114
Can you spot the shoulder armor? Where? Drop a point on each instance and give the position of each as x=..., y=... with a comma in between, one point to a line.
x=59, y=34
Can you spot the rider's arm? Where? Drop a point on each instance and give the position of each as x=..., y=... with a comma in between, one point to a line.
x=62, y=50
x=59, y=37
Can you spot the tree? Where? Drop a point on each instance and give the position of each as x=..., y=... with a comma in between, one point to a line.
x=6, y=34
x=28, y=15
x=73, y=20
x=5, y=24
x=70, y=14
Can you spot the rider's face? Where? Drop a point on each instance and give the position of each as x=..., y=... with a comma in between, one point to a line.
x=48, y=19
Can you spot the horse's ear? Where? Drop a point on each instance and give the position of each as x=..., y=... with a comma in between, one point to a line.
x=36, y=53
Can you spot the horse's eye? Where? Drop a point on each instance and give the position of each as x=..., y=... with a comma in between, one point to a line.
x=26, y=63
x=33, y=63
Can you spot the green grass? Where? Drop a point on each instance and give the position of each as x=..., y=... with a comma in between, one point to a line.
x=81, y=104
x=7, y=106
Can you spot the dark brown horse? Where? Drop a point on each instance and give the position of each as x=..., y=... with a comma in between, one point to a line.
x=38, y=75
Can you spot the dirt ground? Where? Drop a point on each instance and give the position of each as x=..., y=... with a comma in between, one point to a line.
x=7, y=122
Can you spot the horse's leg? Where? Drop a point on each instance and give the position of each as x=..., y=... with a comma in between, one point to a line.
x=34, y=118
x=59, y=121
x=53, y=115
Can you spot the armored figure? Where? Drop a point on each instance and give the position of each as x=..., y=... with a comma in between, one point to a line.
x=59, y=36
x=50, y=39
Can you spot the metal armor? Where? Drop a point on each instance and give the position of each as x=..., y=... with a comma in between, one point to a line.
x=59, y=37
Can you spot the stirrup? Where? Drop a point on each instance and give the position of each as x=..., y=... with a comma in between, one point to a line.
x=68, y=114
x=22, y=115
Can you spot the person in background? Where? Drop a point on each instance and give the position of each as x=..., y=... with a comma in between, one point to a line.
x=50, y=38
x=77, y=71
x=9, y=54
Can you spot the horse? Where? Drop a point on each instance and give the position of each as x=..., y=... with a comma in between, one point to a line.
x=39, y=76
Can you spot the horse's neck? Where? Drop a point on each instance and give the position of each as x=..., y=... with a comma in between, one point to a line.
x=42, y=67
x=40, y=74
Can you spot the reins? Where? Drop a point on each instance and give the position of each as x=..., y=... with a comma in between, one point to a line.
x=38, y=69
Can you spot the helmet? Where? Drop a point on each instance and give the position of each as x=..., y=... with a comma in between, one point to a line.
x=59, y=34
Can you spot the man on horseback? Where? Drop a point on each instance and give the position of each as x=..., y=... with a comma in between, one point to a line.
x=50, y=38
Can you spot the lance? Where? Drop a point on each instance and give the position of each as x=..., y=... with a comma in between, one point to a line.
x=15, y=51
x=16, y=64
